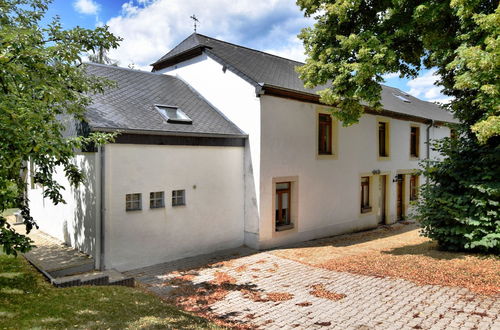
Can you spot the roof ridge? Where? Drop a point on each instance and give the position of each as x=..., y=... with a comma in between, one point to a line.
x=252, y=49
x=128, y=69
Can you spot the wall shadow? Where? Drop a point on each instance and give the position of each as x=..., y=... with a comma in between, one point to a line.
x=82, y=235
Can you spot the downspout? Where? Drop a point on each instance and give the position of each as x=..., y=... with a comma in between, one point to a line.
x=427, y=144
x=102, y=208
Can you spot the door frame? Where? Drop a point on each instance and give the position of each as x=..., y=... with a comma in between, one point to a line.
x=387, y=203
x=401, y=191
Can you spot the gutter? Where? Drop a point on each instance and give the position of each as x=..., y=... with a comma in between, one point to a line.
x=151, y=132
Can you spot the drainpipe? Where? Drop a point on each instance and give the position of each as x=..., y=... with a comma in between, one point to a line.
x=102, y=208
x=427, y=144
x=428, y=139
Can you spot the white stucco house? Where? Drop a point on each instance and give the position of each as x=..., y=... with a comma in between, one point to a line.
x=222, y=146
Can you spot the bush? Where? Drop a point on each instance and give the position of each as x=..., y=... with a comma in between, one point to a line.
x=460, y=204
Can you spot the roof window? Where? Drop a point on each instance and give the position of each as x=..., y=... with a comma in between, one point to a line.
x=173, y=114
x=402, y=98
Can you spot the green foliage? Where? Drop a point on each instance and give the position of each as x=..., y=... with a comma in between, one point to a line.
x=355, y=42
x=41, y=81
x=460, y=205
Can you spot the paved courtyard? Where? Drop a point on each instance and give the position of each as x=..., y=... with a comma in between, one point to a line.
x=249, y=289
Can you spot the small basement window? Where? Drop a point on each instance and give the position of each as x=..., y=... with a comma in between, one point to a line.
x=178, y=197
x=156, y=200
x=173, y=114
x=133, y=202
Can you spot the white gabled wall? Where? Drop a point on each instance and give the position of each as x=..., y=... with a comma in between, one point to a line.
x=329, y=189
x=236, y=99
x=74, y=222
x=211, y=220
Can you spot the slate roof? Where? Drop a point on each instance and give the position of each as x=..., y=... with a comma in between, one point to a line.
x=260, y=68
x=130, y=105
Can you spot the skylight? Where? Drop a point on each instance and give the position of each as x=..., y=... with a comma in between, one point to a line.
x=402, y=98
x=173, y=114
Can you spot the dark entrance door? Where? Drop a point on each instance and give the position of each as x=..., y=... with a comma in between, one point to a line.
x=400, y=197
x=382, y=198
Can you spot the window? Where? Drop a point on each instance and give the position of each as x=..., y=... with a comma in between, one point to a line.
x=156, y=200
x=365, y=194
x=414, y=184
x=324, y=134
x=282, y=205
x=178, y=197
x=133, y=202
x=414, y=141
x=383, y=139
x=173, y=114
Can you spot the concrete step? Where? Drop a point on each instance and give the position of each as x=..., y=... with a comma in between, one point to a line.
x=61, y=263
x=107, y=277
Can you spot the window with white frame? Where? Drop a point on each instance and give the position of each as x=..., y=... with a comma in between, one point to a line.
x=156, y=200
x=133, y=202
x=178, y=197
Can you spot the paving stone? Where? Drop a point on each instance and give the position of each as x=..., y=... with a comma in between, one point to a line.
x=370, y=302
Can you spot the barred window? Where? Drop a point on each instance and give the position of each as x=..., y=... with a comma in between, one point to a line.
x=178, y=197
x=156, y=200
x=133, y=202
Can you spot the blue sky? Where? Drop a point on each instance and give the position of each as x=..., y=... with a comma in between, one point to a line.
x=150, y=28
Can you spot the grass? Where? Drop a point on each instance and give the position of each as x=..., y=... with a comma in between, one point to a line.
x=399, y=252
x=27, y=300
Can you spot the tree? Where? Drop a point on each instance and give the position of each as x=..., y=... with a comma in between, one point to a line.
x=355, y=42
x=41, y=81
x=102, y=57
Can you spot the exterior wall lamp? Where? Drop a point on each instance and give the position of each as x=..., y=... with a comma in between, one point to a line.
x=374, y=172
x=397, y=178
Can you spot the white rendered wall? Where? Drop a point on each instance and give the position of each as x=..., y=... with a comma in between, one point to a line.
x=73, y=222
x=211, y=220
x=236, y=99
x=329, y=189
x=436, y=133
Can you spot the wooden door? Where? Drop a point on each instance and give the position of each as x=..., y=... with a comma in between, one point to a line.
x=382, y=199
x=400, y=197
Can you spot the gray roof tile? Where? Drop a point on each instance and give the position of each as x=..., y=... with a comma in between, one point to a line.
x=262, y=68
x=130, y=105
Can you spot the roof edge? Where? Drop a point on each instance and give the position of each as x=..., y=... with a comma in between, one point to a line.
x=277, y=91
x=166, y=133
x=182, y=56
x=252, y=49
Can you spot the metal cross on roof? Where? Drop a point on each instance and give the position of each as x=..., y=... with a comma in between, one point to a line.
x=195, y=20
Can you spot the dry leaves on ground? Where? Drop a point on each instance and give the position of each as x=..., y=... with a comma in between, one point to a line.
x=399, y=252
x=258, y=296
x=198, y=297
x=319, y=290
x=478, y=274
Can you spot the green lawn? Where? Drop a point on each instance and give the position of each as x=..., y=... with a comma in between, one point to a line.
x=27, y=300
